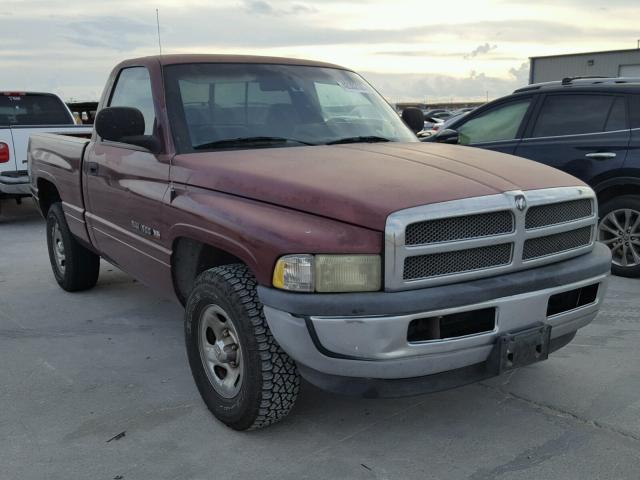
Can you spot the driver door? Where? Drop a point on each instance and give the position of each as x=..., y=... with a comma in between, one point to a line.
x=125, y=186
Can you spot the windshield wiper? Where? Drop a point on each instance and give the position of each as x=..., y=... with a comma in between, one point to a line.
x=360, y=139
x=241, y=141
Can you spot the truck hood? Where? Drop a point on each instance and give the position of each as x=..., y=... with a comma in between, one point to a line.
x=360, y=183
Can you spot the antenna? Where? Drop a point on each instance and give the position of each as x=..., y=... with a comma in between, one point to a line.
x=158, y=25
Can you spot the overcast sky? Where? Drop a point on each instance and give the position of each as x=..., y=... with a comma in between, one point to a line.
x=409, y=50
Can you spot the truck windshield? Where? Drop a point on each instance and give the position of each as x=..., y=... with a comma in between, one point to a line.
x=33, y=109
x=227, y=106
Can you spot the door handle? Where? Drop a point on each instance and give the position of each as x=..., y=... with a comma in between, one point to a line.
x=601, y=155
x=92, y=168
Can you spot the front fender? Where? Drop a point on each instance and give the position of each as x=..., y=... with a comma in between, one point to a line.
x=259, y=233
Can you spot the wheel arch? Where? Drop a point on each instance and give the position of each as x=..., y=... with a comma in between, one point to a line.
x=191, y=256
x=617, y=187
x=48, y=194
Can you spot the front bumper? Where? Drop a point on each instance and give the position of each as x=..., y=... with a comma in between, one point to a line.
x=14, y=185
x=364, y=336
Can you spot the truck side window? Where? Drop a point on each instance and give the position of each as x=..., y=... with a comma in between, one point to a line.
x=133, y=89
x=574, y=114
x=499, y=123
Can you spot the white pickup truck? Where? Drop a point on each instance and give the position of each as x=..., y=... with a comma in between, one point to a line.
x=21, y=114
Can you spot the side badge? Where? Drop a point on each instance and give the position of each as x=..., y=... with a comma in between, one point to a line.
x=145, y=230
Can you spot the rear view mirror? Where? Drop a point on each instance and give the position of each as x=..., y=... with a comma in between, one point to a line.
x=448, y=135
x=125, y=125
x=272, y=84
x=414, y=119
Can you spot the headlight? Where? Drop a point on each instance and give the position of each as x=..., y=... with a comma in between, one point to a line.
x=294, y=272
x=328, y=273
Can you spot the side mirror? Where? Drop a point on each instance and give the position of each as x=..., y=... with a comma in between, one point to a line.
x=414, y=119
x=448, y=135
x=125, y=125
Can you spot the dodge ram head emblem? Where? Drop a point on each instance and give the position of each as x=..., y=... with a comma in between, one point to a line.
x=521, y=202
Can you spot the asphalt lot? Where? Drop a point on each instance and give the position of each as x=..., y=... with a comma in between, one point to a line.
x=78, y=369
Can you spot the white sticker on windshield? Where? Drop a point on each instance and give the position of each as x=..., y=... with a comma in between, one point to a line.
x=353, y=86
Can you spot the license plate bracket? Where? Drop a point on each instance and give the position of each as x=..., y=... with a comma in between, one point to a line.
x=519, y=349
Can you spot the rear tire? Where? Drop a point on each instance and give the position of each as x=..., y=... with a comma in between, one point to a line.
x=246, y=380
x=619, y=229
x=75, y=267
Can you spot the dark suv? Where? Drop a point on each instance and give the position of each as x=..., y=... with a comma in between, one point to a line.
x=589, y=128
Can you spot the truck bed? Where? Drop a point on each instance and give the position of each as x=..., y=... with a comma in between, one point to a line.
x=58, y=159
x=21, y=136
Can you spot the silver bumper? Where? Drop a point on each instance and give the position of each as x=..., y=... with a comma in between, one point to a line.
x=377, y=346
x=15, y=185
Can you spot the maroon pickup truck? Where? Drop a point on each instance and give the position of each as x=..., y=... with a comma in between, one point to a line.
x=307, y=232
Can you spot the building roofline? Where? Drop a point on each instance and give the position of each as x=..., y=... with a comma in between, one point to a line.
x=586, y=53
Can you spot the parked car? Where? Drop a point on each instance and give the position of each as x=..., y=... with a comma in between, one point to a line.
x=437, y=126
x=589, y=128
x=463, y=110
x=428, y=125
x=439, y=113
x=21, y=114
x=307, y=232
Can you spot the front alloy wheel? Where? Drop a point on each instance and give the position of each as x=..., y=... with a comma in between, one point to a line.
x=619, y=229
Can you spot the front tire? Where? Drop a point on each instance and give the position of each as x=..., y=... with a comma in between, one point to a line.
x=246, y=380
x=75, y=267
x=619, y=229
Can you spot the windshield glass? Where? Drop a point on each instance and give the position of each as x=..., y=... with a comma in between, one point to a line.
x=33, y=109
x=261, y=105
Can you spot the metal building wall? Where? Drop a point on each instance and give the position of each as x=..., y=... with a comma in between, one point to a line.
x=545, y=69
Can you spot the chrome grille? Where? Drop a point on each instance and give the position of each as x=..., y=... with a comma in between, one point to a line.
x=556, y=213
x=459, y=228
x=457, y=261
x=478, y=237
x=556, y=243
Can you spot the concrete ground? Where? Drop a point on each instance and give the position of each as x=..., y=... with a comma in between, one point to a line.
x=78, y=369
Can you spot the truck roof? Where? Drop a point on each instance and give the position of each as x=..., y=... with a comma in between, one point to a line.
x=176, y=59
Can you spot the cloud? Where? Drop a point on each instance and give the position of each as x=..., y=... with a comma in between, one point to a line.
x=420, y=53
x=64, y=46
x=437, y=87
x=300, y=8
x=441, y=54
x=116, y=33
x=528, y=30
x=261, y=7
x=246, y=27
x=481, y=50
x=282, y=30
x=597, y=3
x=520, y=74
